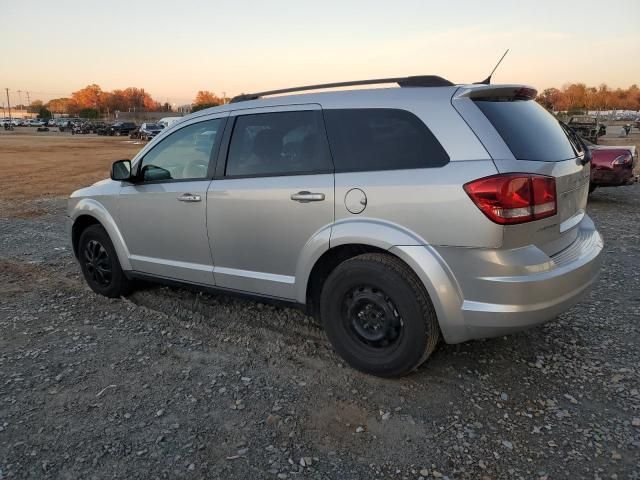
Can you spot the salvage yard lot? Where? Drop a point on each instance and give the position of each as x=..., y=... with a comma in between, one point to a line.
x=169, y=383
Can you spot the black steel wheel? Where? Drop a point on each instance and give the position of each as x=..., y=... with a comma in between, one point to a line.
x=99, y=263
x=372, y=317
x=378, y=315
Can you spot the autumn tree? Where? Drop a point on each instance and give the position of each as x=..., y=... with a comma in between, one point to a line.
x=63, y=105
x=577, y=96
x=35, y=106
x=549, y=98
x=90, y=96
x=205, y=97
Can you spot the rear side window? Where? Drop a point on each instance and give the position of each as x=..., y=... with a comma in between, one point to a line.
x=282, y=143
x=530, y=132
x=381, y=139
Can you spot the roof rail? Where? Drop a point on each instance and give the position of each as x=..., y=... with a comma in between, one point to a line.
x=415, y=81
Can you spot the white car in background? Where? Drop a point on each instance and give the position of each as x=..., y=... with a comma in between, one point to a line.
x=166, y=122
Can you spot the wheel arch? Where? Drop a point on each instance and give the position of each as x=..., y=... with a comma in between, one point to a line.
x=89, y=212
x=352, y=238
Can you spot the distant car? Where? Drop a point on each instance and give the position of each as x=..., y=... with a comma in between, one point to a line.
x=149, y=130
x=68, y=123
x=586, y=126
x=166, y=122
x=612, y=166
x=122, y=128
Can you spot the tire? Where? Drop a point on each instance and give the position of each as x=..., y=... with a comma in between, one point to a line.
x=100, y=265
x=592, y=187
x=378, y=315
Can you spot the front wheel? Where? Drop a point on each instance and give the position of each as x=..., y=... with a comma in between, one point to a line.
x=100, y=265
x=592, y=187
x=378, y=315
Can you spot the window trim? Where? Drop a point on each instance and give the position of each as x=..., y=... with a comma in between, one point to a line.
x=223, y=156
x=404, y=110
x=213, y=156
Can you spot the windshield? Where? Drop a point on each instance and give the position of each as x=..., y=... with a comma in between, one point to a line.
x=530, y=132
x=152, y=126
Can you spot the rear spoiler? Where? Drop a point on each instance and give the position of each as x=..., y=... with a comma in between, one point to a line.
x=506, y=92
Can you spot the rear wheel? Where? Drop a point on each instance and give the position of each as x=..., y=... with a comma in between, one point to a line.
x=378, y=315
x=592, y=187
x=100, y=265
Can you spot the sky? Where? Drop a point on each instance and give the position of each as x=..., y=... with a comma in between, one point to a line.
x=173, y=48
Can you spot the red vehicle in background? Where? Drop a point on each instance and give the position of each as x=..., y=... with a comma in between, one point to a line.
x=612, y=166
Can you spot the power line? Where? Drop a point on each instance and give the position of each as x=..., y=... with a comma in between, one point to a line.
x=8, y=104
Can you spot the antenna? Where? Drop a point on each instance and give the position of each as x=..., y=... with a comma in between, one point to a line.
x=487, y=80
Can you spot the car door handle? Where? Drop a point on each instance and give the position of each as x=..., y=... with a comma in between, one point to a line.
x=304, y=197
x=188, y=197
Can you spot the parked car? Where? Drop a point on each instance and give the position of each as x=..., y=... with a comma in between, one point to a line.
x=397, y=216
x=81, y=128
x=67, y=124
x=612, y=166
x=122, y=128
x=166, y=122
x=103, y=129
x=586, y=126
x=149, y=130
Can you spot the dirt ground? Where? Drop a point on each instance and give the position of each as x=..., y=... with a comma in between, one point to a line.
x=54, y=164
x=170, y=383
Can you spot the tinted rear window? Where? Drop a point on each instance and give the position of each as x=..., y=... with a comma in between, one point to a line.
x=381, y=139
x=530, y=132
x=282, y=143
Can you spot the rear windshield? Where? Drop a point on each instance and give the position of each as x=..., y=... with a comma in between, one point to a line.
x=530, y=132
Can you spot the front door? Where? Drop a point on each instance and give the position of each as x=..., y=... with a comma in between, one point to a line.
x=272, y=195
x=163, y=217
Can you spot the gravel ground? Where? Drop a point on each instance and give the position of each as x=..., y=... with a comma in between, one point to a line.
x=174, y=384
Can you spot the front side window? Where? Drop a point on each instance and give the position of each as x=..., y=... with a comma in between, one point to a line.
x=369, y=139
x=185, y=154
x=280, y=143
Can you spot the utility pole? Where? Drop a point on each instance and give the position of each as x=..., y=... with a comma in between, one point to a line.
x=28, y=102
x=8, y=104
x=20, y=98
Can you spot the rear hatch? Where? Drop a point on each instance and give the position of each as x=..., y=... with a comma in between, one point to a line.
x=536, y=143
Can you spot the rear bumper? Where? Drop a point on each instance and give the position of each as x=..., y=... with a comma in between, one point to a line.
x=613, y=177
x=487, y=293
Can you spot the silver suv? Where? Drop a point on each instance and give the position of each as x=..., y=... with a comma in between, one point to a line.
x=398, y=216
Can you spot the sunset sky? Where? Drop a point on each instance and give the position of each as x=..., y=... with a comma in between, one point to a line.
x=174, y=48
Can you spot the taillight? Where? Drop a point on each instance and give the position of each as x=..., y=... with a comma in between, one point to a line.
x=514, y=197
x=622, y=159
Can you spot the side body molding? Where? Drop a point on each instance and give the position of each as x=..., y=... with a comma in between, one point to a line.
x=93, y=208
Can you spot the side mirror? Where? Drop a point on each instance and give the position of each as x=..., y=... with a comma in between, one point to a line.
x=121, y=170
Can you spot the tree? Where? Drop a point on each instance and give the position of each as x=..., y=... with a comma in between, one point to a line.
x=90, y=96
x=63, y=105
x=35, y=106
x=44, y=113
x=549, y=98
x=88, y=113
x=202, y=106
x=205, y=97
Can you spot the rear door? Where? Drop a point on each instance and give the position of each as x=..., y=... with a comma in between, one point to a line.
x=523, y=137
x=273, y=191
